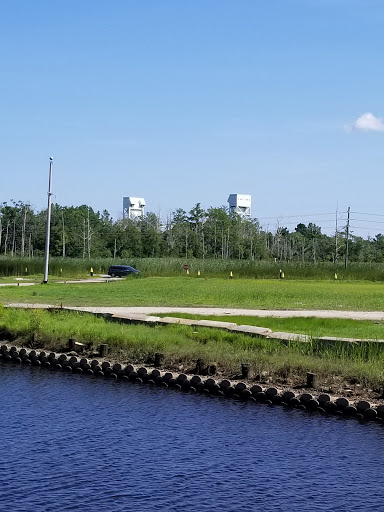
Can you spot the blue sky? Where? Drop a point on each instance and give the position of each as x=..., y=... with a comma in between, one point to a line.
x=182, y=101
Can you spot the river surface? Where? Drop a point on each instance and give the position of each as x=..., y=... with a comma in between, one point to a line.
x=71, y=442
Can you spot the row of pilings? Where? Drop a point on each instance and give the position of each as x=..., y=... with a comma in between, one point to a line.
x=321, y=404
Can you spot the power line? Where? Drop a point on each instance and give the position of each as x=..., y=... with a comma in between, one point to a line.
x=291, y=216
x=326, y=220
x=322, y=214
x=370, y=221
x=373, y=214
x=339, y=222
x=361, y=227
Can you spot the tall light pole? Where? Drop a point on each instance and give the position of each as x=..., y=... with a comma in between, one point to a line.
x=346, y=244
x=48, y=230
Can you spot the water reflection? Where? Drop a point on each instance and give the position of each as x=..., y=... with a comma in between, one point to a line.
x=71, y=442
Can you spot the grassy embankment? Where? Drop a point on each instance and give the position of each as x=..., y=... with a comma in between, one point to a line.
x=182, y=345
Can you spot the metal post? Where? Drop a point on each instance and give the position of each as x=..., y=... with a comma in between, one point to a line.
x=48, y=230
x=347, y=241
x=336, y=234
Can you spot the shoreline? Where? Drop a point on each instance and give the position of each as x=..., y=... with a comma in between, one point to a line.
x=243, y=390
x=331, y=382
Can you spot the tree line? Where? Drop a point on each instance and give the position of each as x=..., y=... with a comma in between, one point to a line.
x=79, y=231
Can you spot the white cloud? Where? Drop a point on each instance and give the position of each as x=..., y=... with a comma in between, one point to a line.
x=367, y=123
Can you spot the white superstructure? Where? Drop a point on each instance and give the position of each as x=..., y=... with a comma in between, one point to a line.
x=133, y=207
x=241, y=204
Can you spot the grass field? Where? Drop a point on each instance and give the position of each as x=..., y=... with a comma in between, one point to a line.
x=182, y=345
x=184, y=291
x=209, y=268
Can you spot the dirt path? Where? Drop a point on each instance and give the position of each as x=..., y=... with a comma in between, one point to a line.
x=353, y=315
x=22, y=281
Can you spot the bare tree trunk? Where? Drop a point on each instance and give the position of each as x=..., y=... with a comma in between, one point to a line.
x=1, y=231
x=13, y=250
x=215, y=241
x=30, y=246
x=228, y=243
x=115, y=250
x=23, y=232
x=170, y=240
x=186, y=243
x=6, y=239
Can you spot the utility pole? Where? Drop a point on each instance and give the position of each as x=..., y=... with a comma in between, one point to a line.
x=48, y=230
x=346, y=244
x=336, y=238
x=89, y=235
x=84, y=238
x=62, y=218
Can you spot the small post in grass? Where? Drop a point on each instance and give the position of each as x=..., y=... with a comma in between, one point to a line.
x=103, y=349
x=246, y=371
x=311, y=380
x=159, y=358
x=201, y=367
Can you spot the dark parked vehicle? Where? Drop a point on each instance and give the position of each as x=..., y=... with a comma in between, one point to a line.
x=121, y=270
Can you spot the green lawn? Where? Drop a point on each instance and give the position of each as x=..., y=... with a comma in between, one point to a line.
x=184, y=291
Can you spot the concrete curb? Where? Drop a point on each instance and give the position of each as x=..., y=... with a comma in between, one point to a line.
x=262, y=332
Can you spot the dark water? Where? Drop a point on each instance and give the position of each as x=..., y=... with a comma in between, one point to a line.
x=77, y=443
